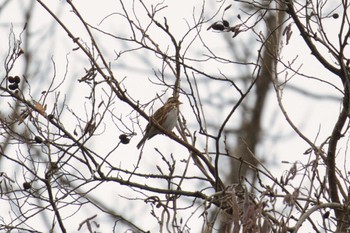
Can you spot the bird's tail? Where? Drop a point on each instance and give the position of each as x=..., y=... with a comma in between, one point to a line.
x=141, y=142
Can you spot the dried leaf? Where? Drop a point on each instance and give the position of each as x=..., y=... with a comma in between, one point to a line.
x=308, y=151
x=40, y=108
x=228, y=7
x=75, y=132
x=288, y=199
x=23, y=116
x=288, y=32
x=90, y=127
x=293, y=171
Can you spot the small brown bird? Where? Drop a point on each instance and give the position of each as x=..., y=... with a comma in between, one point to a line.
x=166, y=116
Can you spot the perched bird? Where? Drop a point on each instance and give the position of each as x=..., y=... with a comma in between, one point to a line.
x=166, y=116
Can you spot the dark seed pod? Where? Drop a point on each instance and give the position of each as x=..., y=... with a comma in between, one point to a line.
x=335, y=15
x=225, y=23
x=53, y=166
x=27, y=185
x=326, y=215
x=13, y=86
x=38, y=139
x=218, y=27
x=50, y=116
x=11, y=79
x=17, y=79
x=124, y=139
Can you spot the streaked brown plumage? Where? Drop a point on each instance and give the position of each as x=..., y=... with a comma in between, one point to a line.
x=166, y=116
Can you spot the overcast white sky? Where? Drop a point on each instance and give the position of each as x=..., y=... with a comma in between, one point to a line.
x=315, y=117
